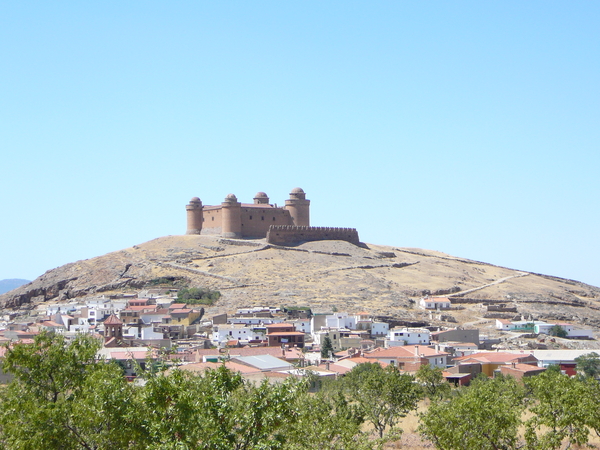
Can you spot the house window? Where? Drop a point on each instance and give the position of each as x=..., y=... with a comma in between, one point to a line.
x=262, y=217
x=250, y=217
x=273, y=219
x=213, y=218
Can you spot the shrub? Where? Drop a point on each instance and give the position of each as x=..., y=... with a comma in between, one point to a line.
x=198, y=296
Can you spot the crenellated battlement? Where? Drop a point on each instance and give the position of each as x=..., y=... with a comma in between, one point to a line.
x=291, y=234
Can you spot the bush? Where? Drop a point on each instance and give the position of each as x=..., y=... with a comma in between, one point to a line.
x=558, y=331
x=198, y=296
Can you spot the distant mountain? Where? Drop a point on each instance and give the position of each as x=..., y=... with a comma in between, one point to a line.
x=11, y=283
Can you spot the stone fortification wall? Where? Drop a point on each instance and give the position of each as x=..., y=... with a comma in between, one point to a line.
x=291, y=234
x=212, y=220
x=256, y=221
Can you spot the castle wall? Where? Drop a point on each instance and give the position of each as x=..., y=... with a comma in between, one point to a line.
x=213, y=220
x=256, y=221
x=289, y=234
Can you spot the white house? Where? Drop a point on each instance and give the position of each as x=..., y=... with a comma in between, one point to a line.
x=410, y=357
x=504, y=325
x=572, y=332
x=302, y=325
x=227, y=332
x=100, y=308
x=435, y=303
x=379, y=329
x=408, y=336
x=253, y=320
x=68, y=308
x=149, y=332
x=341, y=320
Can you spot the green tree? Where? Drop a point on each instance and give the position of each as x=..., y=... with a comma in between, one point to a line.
x=198, y=296
x=383, y=396
x=590, y=404
x=557, y=331
x=62, y=397
x=485, y=415
x=219, y=411
x=559, y=410
x=589, y=364
x=327, y=422
x=326, y=348
x=435, y=386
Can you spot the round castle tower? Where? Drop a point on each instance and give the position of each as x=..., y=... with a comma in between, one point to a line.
x=194, y=216
x=261, y=199
x=232, y=217
x=298, y=207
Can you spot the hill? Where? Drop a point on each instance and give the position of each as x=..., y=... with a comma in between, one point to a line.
x=382, y=280
x=11, y=283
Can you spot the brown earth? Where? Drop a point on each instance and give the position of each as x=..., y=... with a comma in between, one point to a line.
x=382, y=280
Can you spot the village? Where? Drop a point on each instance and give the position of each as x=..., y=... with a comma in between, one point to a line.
x=152, y=326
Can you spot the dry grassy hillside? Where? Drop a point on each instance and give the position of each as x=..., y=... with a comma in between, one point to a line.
x=379, y=279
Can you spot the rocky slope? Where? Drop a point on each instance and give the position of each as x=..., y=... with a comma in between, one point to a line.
x=385, y=281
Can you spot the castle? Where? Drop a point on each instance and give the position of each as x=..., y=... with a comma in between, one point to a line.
x=280, y=225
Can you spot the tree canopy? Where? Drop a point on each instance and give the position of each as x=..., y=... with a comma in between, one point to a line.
x=64, y=397
x=558, y=331
x=485, y=415
x=326, y=348
x=589, y=364
x=383, y=396
x=198, y=296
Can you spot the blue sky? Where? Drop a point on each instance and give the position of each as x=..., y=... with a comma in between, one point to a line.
x=471, y=128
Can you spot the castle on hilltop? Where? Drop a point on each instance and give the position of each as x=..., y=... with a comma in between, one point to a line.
x=280, y=225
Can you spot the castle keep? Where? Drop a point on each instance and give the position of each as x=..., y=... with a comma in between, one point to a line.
x=280, y=225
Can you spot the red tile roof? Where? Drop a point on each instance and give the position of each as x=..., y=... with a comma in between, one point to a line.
x=286, y=333
x=203, y=366
x=525, y=367
x=493, y=357
x=403, y=352
x=181, y=311
x=113, y=320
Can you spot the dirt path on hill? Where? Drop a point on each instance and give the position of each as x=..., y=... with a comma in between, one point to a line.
x=493, y=283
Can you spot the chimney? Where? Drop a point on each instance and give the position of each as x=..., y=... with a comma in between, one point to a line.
x=416, y=350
